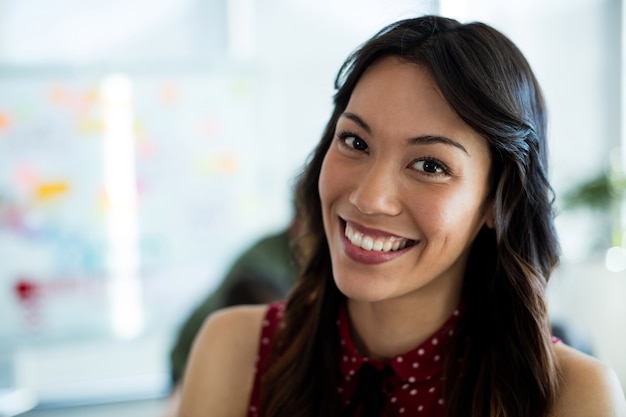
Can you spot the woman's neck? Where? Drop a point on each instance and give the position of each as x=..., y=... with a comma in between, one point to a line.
x=388, y=328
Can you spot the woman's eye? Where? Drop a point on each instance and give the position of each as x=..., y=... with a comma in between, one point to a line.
x=355, y=142
x=430, y=166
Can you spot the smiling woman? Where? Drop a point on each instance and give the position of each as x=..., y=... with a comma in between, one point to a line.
x=426, y=246
x=403, y=167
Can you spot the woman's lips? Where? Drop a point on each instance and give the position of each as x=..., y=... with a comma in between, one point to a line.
x=369, y=246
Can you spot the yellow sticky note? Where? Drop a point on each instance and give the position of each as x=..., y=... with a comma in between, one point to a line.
x=50, y=190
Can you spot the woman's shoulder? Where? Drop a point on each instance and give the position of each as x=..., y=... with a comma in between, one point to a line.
x=241, y=315
x=588, y=386
x=222, y=363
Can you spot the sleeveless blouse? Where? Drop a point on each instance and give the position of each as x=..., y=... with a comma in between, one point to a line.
x=273, y=317
x=412, y=384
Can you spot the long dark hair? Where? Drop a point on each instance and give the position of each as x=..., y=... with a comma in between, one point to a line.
x=503, y=338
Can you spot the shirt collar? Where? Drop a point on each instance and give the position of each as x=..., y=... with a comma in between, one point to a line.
x=419, y=364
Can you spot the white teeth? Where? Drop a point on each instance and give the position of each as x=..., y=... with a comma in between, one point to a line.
x=369, y=243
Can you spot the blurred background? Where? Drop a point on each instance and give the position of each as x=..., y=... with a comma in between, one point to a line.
x=145, y=143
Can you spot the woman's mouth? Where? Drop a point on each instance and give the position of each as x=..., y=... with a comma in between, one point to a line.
x=377, y=243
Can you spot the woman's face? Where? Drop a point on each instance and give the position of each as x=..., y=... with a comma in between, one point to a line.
x=403, y=187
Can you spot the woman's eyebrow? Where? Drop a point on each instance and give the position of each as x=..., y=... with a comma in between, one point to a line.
x=419, y=140
x=356, y=119
x=430, y=139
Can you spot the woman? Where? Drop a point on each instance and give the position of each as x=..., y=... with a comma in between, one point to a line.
x=428, y=242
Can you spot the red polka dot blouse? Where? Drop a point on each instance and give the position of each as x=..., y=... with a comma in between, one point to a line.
x=412, y=383
x=408, y=384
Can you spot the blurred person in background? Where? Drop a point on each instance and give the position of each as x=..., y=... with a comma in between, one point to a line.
x=263, y=273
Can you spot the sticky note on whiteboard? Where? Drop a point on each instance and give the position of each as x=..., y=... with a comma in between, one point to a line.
x=4, y=121
x=50, y=190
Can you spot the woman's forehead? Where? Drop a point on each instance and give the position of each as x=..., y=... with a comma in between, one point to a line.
x=397, y=97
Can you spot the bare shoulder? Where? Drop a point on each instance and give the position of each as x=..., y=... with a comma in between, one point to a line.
x=220, y=371
x=589, y=388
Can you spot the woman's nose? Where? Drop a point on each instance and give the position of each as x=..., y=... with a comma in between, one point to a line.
x=376, y=192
